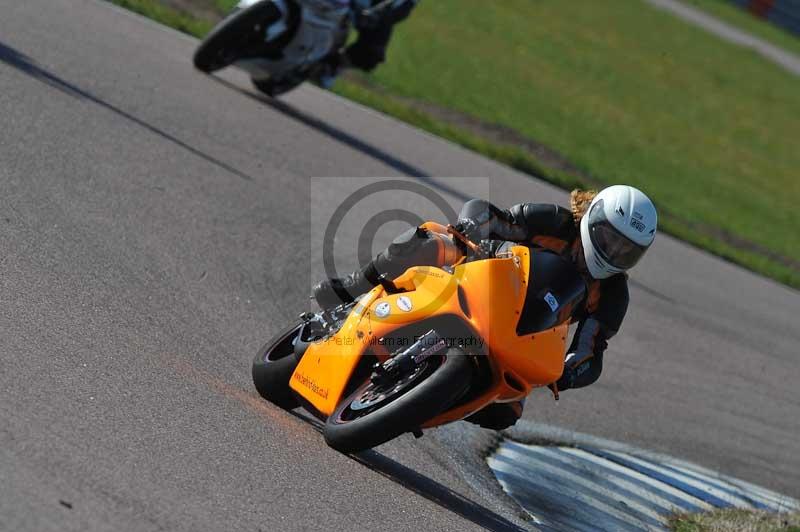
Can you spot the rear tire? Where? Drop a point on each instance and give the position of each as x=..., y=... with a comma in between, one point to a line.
x=441, y=387
x=273, y=367
x=226, y=43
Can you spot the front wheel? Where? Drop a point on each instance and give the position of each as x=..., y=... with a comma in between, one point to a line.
x=274, y=365
x=374, y=414
x=231, y=39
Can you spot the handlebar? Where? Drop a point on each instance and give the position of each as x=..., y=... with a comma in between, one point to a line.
x=461, y=237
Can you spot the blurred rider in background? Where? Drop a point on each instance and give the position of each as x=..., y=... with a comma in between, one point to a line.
x=375, y=21
x=604, y=234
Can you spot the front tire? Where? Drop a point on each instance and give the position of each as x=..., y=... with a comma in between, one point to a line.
x=241, y=30
x=274, y=365
x=353, y=427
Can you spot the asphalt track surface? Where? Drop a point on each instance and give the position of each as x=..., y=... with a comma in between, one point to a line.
x=155, y=230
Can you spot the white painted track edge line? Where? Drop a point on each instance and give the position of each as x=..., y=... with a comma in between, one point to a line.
x=540, y=463
x=773, y=497
x=736, y=500
x=655, y=499
x=590, y=501
x=773, y=500
x=643, y=478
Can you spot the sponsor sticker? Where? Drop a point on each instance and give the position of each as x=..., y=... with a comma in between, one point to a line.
x=636, y=224
x=551, y=301
x=404, y=303
x=383, y=309
x=432, y=350
x=311, y=385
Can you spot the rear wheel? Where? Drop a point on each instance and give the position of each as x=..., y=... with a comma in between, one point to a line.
x=374, y=414
x=238, y=36
x=273, y=367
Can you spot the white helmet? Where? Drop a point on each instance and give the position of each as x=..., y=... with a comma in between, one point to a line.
x=618, y=227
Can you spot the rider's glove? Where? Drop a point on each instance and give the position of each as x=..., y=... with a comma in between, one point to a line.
x=488, y=248
x=463, y=227
x=468, y=227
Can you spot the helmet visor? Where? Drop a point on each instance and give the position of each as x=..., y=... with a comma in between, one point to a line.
x=615, y=248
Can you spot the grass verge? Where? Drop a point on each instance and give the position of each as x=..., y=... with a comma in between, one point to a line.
x=169, y=16
x=736, y=16
x=630, y=93
x=736, y=520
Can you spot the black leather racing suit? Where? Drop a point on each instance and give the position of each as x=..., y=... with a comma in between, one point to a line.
x=369, y=50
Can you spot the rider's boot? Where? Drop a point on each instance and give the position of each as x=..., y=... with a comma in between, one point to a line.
x=333, y=292
x=330, y=69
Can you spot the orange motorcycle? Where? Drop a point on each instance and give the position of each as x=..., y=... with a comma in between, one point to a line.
x=431, y=347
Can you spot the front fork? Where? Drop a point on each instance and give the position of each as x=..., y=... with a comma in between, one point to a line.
x=406, y=361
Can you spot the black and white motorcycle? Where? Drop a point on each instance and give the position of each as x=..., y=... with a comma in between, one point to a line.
x=282, y=43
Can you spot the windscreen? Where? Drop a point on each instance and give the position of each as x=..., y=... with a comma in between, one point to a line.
x=555, y=291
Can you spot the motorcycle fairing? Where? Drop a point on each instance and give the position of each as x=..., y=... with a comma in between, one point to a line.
x=321, y=25
x=494, y=291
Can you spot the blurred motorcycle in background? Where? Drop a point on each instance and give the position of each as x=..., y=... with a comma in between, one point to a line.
x=282, y=43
